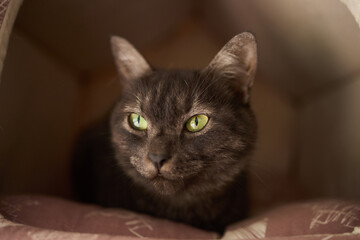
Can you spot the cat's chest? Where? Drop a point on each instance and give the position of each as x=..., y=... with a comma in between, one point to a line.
x=180, y=208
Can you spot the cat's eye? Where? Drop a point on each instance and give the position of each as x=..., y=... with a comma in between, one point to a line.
x=196, y=123
x=137, y=122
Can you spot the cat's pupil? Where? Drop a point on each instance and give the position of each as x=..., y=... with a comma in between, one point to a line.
x=138, y=119
x=196, y=121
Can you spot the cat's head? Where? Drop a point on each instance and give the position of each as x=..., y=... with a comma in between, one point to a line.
x=185, y=131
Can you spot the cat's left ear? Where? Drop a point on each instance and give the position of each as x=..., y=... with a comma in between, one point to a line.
x=129, y=62
x=237, y=62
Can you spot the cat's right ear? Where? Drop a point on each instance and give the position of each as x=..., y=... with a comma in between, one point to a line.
x=236, y=62
x=129, y=62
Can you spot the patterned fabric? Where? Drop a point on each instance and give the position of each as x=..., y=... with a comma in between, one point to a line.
x=61, y=216
x=3, y=7
x=46, y=218
x=331, y=219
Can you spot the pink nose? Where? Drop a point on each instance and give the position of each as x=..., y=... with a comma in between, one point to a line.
x=158, y=159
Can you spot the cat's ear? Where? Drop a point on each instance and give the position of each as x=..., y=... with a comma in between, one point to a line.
x=129, y=62
x=237, y=62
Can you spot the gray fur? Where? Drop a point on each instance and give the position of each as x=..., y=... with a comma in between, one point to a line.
x=203, y=183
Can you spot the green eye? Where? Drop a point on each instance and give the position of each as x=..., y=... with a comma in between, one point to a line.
x=137, y=122
x=196, y=123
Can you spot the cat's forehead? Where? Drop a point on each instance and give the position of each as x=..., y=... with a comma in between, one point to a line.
x=170, y=95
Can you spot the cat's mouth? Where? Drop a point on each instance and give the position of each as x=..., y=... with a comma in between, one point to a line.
x=162, y=177
x=163, y=181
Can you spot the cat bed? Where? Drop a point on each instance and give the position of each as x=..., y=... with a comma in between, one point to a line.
x=8, y=12
x=42, y=217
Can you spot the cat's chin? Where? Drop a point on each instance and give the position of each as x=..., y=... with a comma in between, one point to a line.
x=164, y=186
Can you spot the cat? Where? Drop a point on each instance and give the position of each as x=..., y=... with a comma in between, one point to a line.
x=178, y=142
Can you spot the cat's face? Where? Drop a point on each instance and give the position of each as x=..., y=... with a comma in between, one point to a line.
x=183, y=131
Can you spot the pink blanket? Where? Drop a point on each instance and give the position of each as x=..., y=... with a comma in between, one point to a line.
x=48, y=218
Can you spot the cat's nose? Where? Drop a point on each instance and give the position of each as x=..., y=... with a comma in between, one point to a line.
x=158, y=159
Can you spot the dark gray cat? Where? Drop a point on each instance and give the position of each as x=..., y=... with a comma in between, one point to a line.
x=177, y=143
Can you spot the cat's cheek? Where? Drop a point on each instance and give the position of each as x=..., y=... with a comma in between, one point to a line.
x=144, y=167
x=170, y=172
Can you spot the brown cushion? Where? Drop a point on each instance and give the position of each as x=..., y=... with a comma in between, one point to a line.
x=40, y=217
